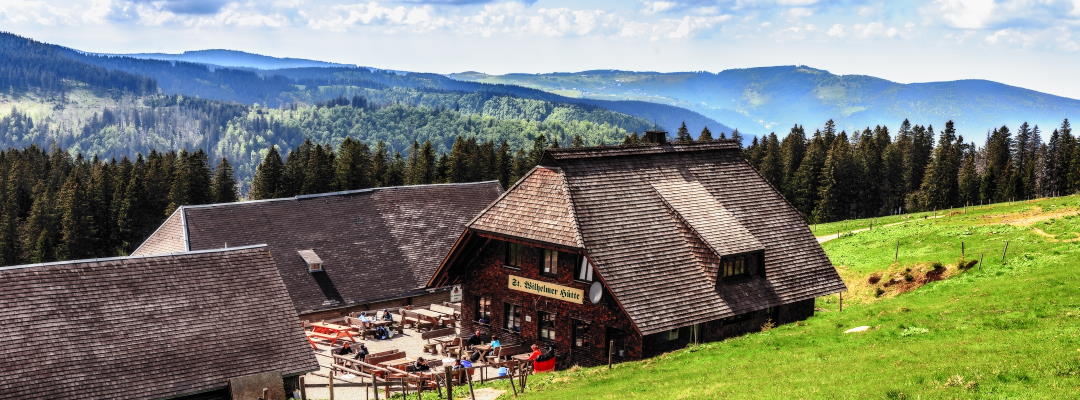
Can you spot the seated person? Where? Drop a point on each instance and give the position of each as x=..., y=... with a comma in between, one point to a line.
x=345, y=349
x=418, y=366
x=495, y=343
x=484, y=320
x=475, y=356
x=361, y=352
x=386, y=316
x=382, y=333
x=476, y=339
x=543, y=360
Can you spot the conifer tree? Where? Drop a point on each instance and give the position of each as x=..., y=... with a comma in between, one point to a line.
x=683, y=135
x=353, y=165
x=706, y=135
x=834, y=197
x=38, y=234
x=771, y=167
x=9, y=236
x=380, y=166
x=223, y=187
x=318, y=171
x=77, y=235
x=504, y=163
x=808, y=175
x=577, y=142
x=267, y=181
x=968, y=180
x=940, y=188
x=792, y=149
x=736, y=136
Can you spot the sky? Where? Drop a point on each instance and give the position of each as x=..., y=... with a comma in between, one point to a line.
x=1028, y=43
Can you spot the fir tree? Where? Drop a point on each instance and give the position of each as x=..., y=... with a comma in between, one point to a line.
x=771, y=167
x=834, y=198
x=352, y=169
x=706, y=135
x=223, y=186
x=683, y=134
x=267, y=181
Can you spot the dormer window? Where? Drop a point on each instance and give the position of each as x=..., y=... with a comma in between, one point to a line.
x=742, y=266
x=314, y=263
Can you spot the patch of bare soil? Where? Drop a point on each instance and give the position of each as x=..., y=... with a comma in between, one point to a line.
x=1029, y=217
x=900, y=279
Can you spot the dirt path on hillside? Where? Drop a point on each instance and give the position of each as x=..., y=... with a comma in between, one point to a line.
x=829, y=237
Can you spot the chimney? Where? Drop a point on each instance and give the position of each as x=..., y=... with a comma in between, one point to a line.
x=656, y=137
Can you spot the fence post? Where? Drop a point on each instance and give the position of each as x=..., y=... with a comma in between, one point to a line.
x=303, y=389
x=963, y=252
x=449, y=383
x=1004, y=252
x=981, y=255
x=330, y=383
x=896, y=256
x=841, y=294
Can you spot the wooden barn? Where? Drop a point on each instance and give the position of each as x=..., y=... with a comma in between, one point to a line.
x=204, y=325
x=636, y=250
x=344, y=251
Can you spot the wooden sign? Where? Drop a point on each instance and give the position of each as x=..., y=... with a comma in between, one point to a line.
x=560, y=292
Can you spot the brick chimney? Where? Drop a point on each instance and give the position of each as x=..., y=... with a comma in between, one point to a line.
x=656, y=137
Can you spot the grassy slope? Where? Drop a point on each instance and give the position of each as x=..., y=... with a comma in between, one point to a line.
x=995, y=331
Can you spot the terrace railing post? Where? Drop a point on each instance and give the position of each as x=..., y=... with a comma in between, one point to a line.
x=303, y=388
x=468, y=378
x=449, y=382
x=330, y=384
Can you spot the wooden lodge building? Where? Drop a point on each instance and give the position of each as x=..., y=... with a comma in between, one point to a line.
x=203, y=325
x=649, y=247
x=344, y=251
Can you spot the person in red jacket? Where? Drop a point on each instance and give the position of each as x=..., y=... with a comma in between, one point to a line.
x=543, y=361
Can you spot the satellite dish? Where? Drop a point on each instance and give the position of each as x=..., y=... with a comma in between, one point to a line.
x=596, y=292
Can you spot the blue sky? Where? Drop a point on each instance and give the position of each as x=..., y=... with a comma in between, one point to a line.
x=1029, y=43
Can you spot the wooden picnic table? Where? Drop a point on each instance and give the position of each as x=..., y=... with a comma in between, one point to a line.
x=331, y=332
x=429, y=313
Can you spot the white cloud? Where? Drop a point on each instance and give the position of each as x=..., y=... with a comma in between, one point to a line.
x=799, y=13
x=654, y=7
x=836, y=31
x=966, y=14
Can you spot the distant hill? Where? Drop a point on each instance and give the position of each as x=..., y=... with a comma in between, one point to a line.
x=774, y=98
x=234, y=58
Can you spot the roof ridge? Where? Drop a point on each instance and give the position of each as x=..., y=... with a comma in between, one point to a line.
x=126, y=258
x=637, y=149
x=570, y=207
x=337, y=193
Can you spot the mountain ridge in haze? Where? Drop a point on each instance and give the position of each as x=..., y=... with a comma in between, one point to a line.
x=763, y=99
x=235, y=59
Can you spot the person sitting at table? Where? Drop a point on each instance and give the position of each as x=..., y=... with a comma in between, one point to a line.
x=475, y=355
x=461, y=367
x=543, y=360
x=495, y=343
x=418, y=366
x=476, y=339
x=382, y=333
x=361, y=353
x=386, y=316
x=345, y=349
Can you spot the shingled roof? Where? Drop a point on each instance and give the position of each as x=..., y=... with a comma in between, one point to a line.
x=146, y=327
x=630, y=205
x=375, y=244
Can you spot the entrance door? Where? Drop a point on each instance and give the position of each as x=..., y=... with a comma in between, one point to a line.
x=616, y=343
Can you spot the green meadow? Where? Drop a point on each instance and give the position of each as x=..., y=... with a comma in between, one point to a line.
x=1000, y=329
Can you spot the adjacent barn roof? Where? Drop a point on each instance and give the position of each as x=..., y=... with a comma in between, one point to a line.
x=631, y=207
x=146, y=327
x=374, y=244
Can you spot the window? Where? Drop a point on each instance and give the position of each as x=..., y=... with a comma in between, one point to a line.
x=584, y=270
x=512, y=317
x=546, y=324
x=515, y=255
x=742, y=265
x=483, y=310
x=551, y=262
x=580, y=332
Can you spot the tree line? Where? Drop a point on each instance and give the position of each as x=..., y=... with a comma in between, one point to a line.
x=57, y=207
x=832, y=175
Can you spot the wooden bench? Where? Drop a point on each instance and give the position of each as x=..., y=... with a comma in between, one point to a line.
x=504, y=352
x=417, y=321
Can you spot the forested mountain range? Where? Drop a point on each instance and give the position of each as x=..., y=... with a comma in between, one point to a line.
x=118, y=106
x=775, y=98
